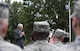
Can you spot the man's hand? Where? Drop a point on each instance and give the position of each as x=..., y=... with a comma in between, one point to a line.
x=23, y=34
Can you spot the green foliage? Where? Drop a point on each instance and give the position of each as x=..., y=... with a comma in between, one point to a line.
x=47, y=10
x=15, y=9
x=37, y=10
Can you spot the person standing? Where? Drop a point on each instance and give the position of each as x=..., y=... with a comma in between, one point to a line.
x=19, y=36
x=4, y=18
x=58, y=37
x=39, y=38
x=75, y=46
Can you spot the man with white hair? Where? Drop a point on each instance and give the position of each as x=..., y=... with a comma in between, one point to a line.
x=4, y=16
x=19, y=36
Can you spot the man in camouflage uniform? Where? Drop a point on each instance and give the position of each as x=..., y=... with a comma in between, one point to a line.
x=75, y=46
x=58, y=37
x=4, y=15
x=39, y=36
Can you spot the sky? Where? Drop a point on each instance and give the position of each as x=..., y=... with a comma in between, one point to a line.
x=13, y=0
x=16, y=0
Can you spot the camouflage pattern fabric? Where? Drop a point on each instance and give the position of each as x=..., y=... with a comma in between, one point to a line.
x=5, y=46
x=42, y=45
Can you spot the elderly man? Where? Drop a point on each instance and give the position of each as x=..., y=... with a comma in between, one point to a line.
x=4, y=15
x=58, y=37
x=19, y=36
x=39, y=37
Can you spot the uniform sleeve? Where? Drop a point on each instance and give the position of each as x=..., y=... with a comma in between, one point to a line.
x=28, y=49
x=17, y=48
x=66, y=48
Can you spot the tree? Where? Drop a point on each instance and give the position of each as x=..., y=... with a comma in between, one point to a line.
x=15, y=8
x=52, y=11
x=48, y=10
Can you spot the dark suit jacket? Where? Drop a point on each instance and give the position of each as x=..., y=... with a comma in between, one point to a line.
x=19, y=40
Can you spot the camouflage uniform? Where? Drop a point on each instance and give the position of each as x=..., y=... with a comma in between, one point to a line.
x=58, y=43
x=60, y=34
x=42, y=45
x=75, y=46
x=4, y=14
x=5, y=46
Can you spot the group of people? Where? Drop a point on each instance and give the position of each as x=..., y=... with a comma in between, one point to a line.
x=40, y=34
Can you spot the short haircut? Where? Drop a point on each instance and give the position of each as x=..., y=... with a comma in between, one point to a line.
x=39, y=35
x=4, y=10
x=4, y=14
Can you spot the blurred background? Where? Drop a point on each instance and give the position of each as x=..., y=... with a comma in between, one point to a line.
x=56, y=12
